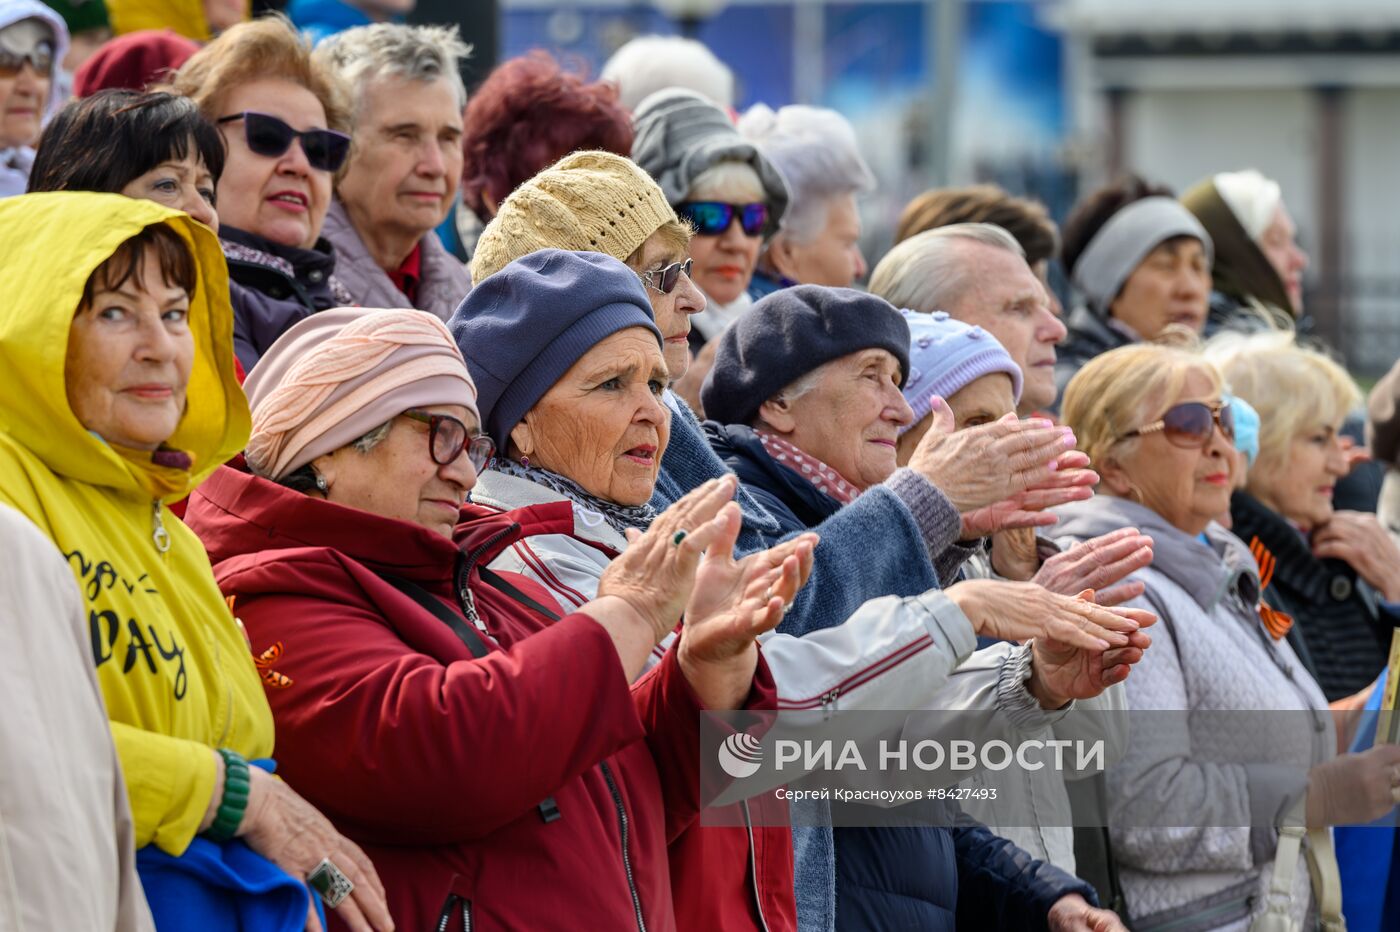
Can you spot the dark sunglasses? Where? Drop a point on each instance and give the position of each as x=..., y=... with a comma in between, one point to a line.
x=666, y=279
x=448, y=437
x=711, y=218
x=1191, y=424
x=268, y=136
x=40, y=58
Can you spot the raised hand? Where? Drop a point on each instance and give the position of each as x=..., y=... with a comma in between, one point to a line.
x=1061, y=671
x=1100, y=564
x=1359, y=540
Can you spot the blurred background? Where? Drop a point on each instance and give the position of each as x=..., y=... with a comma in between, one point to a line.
x=1051, y=97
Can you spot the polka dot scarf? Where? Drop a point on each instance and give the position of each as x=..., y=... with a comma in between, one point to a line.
x=827, y=480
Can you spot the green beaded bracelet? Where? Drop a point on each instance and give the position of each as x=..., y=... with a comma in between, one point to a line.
x=235, y=800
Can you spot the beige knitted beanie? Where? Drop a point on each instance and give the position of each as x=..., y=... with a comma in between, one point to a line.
x=586, y=202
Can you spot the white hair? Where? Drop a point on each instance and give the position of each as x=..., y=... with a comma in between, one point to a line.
x=648, y=64
x=929, y=272
x=417, y=53
x=796, y=388
x=816, y=151
x=729, y=181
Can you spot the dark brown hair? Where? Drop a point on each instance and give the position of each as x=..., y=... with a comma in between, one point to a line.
x=1026, y=220
x=1091, y=213
x=176, y=264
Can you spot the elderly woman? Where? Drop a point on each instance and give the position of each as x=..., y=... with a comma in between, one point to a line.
x=122, y=399
x=401, y=178
x=284, y=120
x=1154, y=421
x=340, y=554
x=722, y=185
x=33, y=40
x=155, y=146
x=1258, y=268
x=818, y=238
x=1335, y=573
x=1141, y=261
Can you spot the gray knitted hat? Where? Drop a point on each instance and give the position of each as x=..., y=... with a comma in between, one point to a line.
x=680, y=134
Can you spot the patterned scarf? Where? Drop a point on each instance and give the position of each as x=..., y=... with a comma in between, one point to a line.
x=619, y=517
x=827, y=480
x=238, y=251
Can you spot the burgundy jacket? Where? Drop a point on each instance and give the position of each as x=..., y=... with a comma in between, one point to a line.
x=529, y=789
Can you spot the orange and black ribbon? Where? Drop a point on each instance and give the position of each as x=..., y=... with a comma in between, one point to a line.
x=1275, y=622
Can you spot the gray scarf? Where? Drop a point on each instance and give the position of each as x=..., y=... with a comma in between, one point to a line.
x=619, y=517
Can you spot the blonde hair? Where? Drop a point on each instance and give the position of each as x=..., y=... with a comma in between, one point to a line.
x=1295, y=389
x=1123, y=389
x=733, y=182
x=265, y=48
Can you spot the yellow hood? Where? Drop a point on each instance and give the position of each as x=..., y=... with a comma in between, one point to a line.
x=49, y=245
x=183, y=16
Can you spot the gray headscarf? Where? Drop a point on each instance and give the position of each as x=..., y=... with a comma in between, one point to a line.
x=1125, y=240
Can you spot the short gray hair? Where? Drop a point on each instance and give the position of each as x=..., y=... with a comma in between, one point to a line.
x=796, y=388
x=815, y=149
x=417, y=53
x=648, y=64
x=928, y=272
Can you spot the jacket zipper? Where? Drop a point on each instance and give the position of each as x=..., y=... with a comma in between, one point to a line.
x=158, y=532
x=626, y=858
x=464, y=573
x=449, y=907
x=753, y=859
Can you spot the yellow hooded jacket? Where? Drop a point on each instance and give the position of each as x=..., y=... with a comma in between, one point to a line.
x=183, y=16
x=174, y=667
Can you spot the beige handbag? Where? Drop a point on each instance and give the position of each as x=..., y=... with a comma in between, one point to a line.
x=1326, y=879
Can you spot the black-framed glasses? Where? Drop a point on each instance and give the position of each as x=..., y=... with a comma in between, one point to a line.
x=40, y=58
x=268, y=136
x=666, y=279
x=711, y=218
x=448, y=437
x=1190, y=424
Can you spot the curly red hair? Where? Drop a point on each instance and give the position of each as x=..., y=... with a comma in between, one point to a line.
x=527, y=115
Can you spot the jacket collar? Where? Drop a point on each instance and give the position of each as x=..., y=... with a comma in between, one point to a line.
x=1296, y=567
x=1208, y=571
x=740, y=447
x=512, y=493
x=291, y=261
x=442, y=284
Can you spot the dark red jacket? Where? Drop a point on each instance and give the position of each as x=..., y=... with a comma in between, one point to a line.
x=437, y=763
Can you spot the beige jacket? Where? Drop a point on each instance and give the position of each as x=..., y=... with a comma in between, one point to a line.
x=66, y=844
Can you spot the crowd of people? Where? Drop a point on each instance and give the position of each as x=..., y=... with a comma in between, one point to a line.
x=390, y=477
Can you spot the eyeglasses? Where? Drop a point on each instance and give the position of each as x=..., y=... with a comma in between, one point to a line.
x=448, y=437
x=711, y=218
x=40, y=58
x=666, y=279
x=266, y=135
x=1190, y=425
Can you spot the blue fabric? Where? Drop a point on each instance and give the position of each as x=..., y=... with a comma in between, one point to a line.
x=521, y=329
x=321, y=18
x=1368, y=856
x=787, y=335
x=1001, y=886
x=896, y=878
x=222, y=888
x=762, y=284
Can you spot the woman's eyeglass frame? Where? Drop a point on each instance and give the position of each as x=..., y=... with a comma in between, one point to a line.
x=669, y=276
x=1218, y=414
x=478, y=447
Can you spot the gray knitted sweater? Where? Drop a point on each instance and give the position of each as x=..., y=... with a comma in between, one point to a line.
x=1209, y=653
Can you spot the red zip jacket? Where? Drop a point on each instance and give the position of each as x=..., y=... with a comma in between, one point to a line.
x=439, y=764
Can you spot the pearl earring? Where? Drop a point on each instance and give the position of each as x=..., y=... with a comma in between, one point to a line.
x=321, y=485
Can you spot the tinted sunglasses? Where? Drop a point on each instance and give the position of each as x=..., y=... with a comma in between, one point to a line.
x=448, y=437
x=711, y=218
x=268, y=136
x=666, y=279
x=1191, y=424
x=40, y=58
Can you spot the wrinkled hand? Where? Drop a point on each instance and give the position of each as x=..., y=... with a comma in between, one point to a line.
x=1353, y=789
x=980, y=467
x=654, y=575
x=1359, y=540
x=287, y=830
x=733, y=603
x=1020, y=611
x=1072, y=913
x=1356, y=453
x=1072, y=481
x=1061, y=671
x=1097, y=564
x=1015, y=554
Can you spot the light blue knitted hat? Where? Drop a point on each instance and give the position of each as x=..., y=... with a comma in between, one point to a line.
x=946, y=355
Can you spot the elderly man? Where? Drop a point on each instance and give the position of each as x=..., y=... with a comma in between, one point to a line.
x=404, y=166
x=978, y=274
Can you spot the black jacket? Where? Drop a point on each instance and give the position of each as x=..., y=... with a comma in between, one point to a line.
x=927, y=878
x=1089, y=336
x=1341, y=629
x=266, y=300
